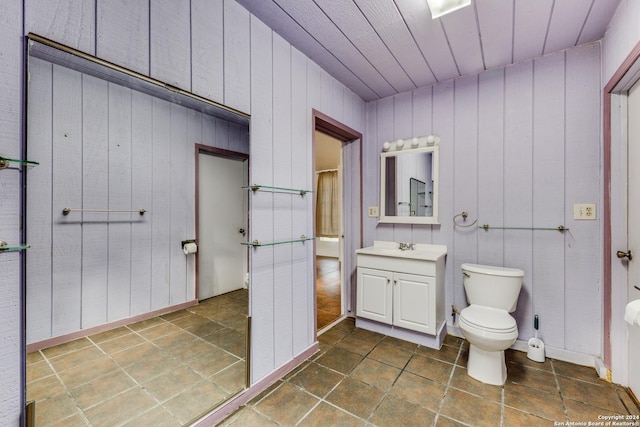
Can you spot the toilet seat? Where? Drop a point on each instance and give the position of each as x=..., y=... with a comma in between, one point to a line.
x=488, y=319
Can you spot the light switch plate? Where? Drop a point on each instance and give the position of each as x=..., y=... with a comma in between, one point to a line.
x=584, y=211
x=373, y=211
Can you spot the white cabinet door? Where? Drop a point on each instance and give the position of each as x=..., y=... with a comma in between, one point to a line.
x=375, y=295
x=413, y=297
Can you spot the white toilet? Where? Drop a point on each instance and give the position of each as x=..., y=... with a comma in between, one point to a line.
x=492, y=293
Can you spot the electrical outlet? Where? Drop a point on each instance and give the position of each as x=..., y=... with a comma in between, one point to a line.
x=584, y=211
x=373, y=211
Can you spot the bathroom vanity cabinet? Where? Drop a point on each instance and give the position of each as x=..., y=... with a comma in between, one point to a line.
x=401, y=292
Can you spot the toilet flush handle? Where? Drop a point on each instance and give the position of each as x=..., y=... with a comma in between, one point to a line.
x=627, y=254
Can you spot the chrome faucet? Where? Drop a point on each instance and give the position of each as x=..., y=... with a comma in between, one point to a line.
x=405, y=246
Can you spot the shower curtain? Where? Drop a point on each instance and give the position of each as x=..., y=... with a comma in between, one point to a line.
x=328, y=204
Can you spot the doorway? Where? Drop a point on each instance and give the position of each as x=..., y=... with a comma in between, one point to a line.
x=329, y=230
x=221, y=222
x=339, y=270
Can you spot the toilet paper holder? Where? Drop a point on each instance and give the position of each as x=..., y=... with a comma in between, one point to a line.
x=189, y=242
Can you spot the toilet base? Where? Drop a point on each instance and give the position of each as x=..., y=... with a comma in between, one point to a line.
x=487, y=366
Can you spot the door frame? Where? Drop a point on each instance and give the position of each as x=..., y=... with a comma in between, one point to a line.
x=227, y=154
x=614, y=153
x=325, y=124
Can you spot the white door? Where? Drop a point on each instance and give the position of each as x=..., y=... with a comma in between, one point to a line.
x=412, y=297
x=633, y=215
x=221, y=225
x=375, y=295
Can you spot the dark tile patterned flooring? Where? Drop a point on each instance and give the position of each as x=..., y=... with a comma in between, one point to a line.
x=361, y=378
x=150, y=373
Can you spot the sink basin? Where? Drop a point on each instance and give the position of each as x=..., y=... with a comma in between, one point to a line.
x=420, y=251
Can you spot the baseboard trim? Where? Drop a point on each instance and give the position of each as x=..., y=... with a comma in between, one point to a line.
x=61, y=339
x=223, y=411
x=550, y=352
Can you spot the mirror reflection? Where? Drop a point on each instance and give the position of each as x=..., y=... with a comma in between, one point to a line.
x=409, y=185
x=120, y=328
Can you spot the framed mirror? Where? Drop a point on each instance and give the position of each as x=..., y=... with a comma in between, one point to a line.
x=409, y=182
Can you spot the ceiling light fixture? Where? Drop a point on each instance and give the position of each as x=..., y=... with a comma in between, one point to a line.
x=442, y=7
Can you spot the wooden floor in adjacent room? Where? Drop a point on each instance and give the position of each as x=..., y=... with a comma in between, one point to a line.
x=328, y=288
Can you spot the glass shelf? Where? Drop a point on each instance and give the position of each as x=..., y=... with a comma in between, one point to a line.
x=256, y=187
x=5, y=162
x=257, y=243
x=13, y=248
x=559, y=228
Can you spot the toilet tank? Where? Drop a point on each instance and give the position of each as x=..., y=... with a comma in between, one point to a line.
x=490, y=286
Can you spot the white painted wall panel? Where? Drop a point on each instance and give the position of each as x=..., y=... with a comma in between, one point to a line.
x=207, y=49
x=160, y=214
x=467, y=164
x=193, y=136
x=371, y=149
x=262, y=207
x=491, y=160
x=581, y=124
x=95, y=195
x=300, y=220
x=237, y=56
x=67, y=21
x=179, y=172
x=142, y=197
x=39, y=203
x=443, y=125
x=119, y=181
x=67, y=192
x=548, y=195
x=11, y=297
x=518, y=175
x=170, y=44
x=122, y=33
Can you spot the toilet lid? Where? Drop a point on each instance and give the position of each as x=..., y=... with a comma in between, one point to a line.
x=488, y=318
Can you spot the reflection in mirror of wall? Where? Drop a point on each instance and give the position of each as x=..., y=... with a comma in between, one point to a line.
x=114, y=331
x=409, y=181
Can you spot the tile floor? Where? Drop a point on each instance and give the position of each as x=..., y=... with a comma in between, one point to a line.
x=361, y=378
x=328, y=287
x=150, y=373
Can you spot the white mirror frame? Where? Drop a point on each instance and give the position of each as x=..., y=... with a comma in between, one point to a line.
x=435, y=165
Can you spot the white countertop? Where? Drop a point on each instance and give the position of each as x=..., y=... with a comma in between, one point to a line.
x=421, y=251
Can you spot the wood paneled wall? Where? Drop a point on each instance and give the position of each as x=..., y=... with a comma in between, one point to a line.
x=215, y=49
x=103, y=146
x=519, y=146
x=285, y=87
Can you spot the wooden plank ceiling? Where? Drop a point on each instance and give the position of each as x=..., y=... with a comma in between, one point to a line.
x=379, y=48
